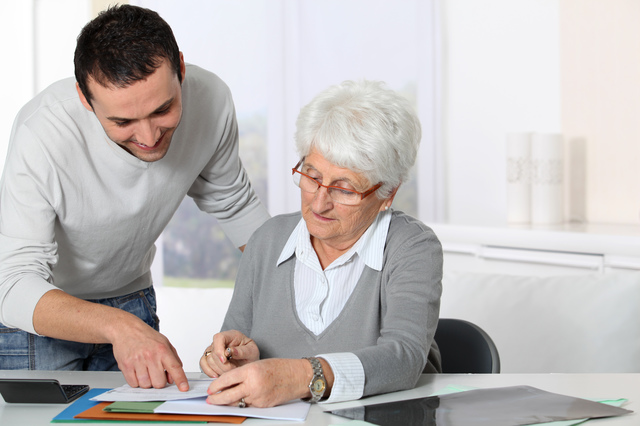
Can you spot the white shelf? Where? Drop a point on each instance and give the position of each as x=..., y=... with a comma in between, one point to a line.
x=620, y=241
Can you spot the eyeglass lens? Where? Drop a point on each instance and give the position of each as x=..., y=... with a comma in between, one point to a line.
x=341, y=196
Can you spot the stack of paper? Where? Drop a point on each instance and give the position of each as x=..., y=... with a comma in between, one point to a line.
x=169, y=404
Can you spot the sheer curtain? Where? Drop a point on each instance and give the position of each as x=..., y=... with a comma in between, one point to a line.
x=39, y=41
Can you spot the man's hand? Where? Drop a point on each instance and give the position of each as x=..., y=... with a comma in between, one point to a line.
x=145, y=356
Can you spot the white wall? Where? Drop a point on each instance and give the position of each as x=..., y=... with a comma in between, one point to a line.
x=601, y=103
x=501, y=73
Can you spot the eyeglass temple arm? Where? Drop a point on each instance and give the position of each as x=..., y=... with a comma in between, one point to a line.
x=297, y=165
x=375, y=188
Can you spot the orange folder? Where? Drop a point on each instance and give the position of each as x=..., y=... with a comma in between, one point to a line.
x=96, y=413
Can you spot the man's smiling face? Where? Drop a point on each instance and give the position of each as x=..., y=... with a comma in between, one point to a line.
x=143, y=116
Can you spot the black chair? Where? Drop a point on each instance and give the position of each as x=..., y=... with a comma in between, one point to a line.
x=466, y=348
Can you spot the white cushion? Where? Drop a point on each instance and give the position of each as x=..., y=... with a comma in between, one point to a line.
x=564, y=324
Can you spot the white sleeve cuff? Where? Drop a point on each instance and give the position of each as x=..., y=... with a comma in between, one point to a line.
x=20, y=302
x=348, y=374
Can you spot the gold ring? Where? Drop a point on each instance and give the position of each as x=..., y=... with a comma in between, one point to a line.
x=207, y=353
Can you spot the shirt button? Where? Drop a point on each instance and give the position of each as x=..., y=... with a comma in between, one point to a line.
x=316, y=317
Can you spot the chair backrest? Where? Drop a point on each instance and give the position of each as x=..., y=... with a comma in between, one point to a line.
x=466, y=348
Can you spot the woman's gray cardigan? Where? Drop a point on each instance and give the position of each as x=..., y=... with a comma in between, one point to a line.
x=388, y=322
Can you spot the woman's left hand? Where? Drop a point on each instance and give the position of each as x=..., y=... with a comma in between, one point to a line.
x=230, y=349
x=264, y=383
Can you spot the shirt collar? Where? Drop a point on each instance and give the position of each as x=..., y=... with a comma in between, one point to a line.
x=374, y=240
x=370, y=247
x=290, y=246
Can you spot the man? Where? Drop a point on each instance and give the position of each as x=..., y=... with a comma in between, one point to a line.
x=95, y=170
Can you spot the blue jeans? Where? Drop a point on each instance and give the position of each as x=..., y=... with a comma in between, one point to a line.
x=20, y=350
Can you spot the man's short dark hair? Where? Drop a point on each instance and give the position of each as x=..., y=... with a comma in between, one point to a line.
x=122, y=45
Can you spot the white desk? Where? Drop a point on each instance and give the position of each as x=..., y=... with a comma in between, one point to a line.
x=579, y=385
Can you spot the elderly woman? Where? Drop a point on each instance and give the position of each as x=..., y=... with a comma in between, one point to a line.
x=340, y=300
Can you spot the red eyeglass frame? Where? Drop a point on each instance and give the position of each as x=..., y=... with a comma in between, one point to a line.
x=362, y=195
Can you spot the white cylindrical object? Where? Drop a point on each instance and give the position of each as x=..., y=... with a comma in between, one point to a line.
x=519, y=178
x=547, y=179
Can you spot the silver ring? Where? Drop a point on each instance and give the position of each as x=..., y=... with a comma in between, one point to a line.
x=229, y=356
x=242, y=404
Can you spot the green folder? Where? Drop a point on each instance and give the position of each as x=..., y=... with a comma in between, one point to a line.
x=146, y=407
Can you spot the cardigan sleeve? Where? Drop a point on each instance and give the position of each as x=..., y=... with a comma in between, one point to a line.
x=410, y=303
x=240, y=311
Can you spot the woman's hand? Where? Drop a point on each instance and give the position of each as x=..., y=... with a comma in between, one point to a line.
x=230, y=349
x=264, y=383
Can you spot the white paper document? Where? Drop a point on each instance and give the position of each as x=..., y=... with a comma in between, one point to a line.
x=197, y=389
x=294, y=410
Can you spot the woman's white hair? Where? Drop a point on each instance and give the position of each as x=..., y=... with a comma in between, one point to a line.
x=364, y=127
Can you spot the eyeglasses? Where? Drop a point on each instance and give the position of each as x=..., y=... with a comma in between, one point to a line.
x=338, y=194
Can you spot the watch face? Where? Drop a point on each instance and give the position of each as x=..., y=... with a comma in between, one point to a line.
x=318, y=386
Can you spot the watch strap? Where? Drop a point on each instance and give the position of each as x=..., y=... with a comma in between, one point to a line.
x=318, y=383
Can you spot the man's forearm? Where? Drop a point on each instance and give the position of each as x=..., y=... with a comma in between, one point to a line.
x=145, y=357
x=62, y=316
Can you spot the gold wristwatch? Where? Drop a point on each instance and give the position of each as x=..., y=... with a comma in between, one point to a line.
x=318, y=384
